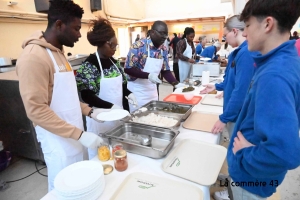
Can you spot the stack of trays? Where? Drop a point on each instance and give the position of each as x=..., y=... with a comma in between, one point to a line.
x=80, y=181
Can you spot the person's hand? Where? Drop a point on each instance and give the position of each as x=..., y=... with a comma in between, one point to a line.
x=207, y=89
x=90, y=140
x=154, y=78
x=240, y=142
x=97, y=111
x=218, y=127
x=179, y=85
x=191, y=61
x=219, y=96
x=224, y=61
x=116, y=107
x=132, y=100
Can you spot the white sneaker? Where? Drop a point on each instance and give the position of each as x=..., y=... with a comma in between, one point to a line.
x=221, y=195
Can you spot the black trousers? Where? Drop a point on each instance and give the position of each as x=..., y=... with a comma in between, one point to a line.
x=176, y=71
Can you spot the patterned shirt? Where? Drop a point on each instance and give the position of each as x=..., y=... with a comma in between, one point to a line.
x=138, y=54
x=88, y=76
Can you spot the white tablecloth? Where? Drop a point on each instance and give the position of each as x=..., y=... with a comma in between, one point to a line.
x=137, y=163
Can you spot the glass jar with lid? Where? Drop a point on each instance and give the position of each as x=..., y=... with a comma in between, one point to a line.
x=103, y=152
x=121, y=163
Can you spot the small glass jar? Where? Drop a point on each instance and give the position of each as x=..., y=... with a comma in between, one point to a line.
x=121, y=163
x=103, y=152
x=116, y=147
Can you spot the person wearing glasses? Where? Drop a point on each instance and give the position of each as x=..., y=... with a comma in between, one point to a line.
x=146, y=59
x=237, y=78
x=100, y=79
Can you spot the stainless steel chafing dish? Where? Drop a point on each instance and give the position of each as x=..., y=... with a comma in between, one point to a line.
x=176, y=111
x=182, y=110
x=162, y=139
x=160, y=113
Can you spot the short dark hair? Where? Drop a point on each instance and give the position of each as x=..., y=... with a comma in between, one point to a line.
x=286, y=12
x=175, y=34
x=101, y=32
x=158, y=23
x=64, y=10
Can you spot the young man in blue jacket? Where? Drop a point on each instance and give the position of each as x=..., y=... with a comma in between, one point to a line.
x=266, y=137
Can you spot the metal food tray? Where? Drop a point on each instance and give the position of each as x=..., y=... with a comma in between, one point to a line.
x=162, y=139
x=175, y=116
x=170, y=107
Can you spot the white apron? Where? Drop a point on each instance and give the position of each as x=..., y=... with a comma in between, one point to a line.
x=143, y=89
x=185, y=67
x=111, y=90
x=60, y=152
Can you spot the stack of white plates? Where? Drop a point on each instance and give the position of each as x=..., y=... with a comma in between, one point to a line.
x=80, y=181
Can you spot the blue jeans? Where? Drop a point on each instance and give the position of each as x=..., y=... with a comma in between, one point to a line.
x=241, y=194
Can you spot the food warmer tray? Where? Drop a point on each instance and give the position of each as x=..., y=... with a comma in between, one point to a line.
x=162, y=139
x=183, y=110
x=174, y=116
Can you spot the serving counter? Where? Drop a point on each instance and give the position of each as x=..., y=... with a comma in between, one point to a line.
x=138, y=163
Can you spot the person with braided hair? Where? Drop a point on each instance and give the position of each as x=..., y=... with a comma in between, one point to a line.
x=100, y=79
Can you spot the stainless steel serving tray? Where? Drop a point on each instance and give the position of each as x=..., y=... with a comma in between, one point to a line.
x=175, y=116
x=162, y=139
x=182, y=110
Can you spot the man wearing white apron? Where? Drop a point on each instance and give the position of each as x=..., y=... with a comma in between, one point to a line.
x=146, y=59
x=49, y=93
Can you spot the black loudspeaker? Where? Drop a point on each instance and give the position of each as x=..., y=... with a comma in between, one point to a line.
x=96, y=5
x=41, y=6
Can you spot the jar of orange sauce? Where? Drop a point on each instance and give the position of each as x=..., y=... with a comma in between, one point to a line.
x=121, y=163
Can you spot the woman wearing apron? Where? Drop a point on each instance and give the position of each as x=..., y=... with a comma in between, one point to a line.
x=185, y=50
x=100, y=80
x=146, y=59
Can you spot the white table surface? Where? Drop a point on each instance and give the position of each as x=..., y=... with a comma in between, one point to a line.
x=137, y=163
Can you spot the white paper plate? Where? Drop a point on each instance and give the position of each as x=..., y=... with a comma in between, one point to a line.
x=205, y=59
x=112, y=115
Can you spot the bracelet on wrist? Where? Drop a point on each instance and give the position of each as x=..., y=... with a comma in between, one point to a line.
x=90, y=113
